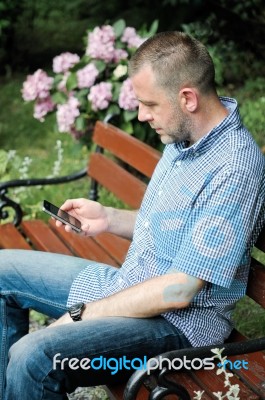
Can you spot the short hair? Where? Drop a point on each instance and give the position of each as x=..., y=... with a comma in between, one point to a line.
x=177, y=60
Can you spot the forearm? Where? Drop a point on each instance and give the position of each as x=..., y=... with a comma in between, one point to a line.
x=147, y=299
x=121, y=222
x=150, y=298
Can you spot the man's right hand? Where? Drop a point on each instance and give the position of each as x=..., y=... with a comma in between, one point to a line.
x=92, y=215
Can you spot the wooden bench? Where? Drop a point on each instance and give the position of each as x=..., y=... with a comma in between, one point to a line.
x=123, y=165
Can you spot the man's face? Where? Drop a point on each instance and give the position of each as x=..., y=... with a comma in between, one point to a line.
x=155, y=107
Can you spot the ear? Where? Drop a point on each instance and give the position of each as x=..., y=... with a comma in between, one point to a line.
x=188, y=99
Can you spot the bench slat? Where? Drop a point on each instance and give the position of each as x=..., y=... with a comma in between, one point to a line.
x=43, y=238
x=10, y=238
x=118, y=181
x=210, y=382
x=254, y=375
x=81, y=246
x=256, y=282
x=185, y=379
x=129, y=149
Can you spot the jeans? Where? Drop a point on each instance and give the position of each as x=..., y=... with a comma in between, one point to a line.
x=33, y=366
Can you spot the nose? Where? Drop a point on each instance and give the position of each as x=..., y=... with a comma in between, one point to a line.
x=144, y=114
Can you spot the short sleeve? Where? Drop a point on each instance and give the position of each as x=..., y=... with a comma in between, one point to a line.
x=218, y=229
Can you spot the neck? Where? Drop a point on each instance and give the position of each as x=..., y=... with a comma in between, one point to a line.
x=210, y=113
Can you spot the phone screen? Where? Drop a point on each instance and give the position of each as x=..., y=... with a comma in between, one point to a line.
x=62, y=216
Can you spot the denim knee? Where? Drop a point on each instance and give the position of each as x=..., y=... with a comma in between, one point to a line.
x=25, y=355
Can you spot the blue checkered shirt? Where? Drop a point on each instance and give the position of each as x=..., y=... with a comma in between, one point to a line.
x=201, y=214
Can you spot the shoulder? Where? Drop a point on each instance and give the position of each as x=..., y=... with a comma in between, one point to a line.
x=244, y=154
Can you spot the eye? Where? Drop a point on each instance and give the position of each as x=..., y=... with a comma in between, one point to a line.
x=150, y=105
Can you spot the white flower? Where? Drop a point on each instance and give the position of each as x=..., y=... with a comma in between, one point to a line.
x=198, y=395
x=11, y=154
x=233, y=392
x=120, y=71
x=217, y=351
x=219, y=395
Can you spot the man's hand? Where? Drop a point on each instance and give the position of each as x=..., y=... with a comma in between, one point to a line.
x=96, y=218
x=92, y=215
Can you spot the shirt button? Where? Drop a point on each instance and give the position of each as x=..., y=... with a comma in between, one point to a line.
x=160, y=192
x=146, y=224
x=178, y=163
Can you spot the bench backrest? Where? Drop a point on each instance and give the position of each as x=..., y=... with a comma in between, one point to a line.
x=122, y=155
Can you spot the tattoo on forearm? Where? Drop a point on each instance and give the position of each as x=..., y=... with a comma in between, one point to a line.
x=182, y=291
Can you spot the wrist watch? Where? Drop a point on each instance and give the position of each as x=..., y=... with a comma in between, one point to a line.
x=75, y=311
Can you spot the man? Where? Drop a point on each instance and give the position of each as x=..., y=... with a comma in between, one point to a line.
x=191, y=239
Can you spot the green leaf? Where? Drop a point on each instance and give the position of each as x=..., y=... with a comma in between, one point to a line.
x=153, y=28
x=82, y=94
x=2, y=6
x=3, y=161
x=130, y=115
x=57, y=79
x=59, y=98
x=127, y=127
x=116, y=88
x=119, y=27
x=4, y=23
x=114, y=109
x=71, y=82
x=80, y=123
x=139, y=131
x=100, y=65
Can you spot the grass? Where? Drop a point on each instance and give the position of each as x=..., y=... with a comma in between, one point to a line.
x=20, y=131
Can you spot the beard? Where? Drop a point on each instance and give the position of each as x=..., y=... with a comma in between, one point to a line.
x=179, y=129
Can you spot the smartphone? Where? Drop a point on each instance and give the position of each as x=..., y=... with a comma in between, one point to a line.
x=62, y=216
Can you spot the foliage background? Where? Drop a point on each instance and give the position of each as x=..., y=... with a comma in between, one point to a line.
x=33, y=32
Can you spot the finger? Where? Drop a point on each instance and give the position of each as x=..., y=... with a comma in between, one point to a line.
x=85, y=229
x=57, y=223
x=71, y=204
x=68, y=205
x=68, y=228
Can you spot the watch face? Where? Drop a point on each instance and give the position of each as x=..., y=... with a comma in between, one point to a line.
x=76, y=307
x=75, y=311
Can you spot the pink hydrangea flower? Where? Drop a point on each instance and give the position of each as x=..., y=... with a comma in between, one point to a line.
x=86, y=76
x=100, y=95
x=127, y=99
x=119, y=54
x=101, y=43
x=131, y=37
x=64, y=62
x=66, y=114
x=42, y=107
x=62, y=84
x=37, y=86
